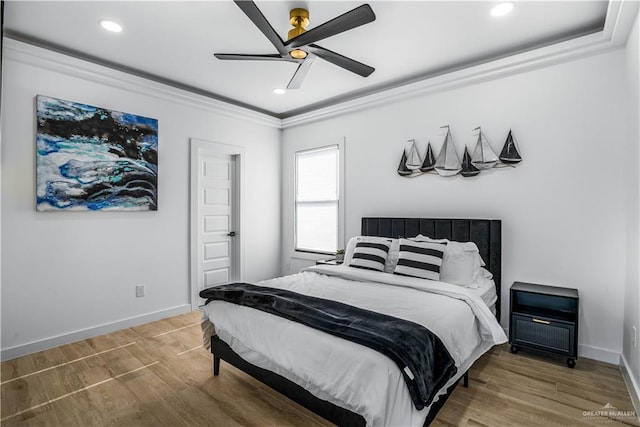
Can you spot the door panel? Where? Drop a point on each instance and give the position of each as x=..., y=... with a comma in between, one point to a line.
x=216, y=250
x=216, y=197
x=216, y=169
x=215, y=277
x=213, y=223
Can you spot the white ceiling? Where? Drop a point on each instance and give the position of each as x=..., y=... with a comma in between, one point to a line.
x=409, y=41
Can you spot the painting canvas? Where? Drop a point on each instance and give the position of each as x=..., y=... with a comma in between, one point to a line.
x=91, y=158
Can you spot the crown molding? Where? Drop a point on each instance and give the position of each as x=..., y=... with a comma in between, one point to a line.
x=618, y=23
x=26, y=53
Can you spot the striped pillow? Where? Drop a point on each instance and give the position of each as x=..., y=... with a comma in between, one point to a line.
x=370, y=255
x=420, y=259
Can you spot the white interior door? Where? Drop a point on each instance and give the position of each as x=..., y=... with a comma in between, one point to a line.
x=216, y=205
x=216, y=256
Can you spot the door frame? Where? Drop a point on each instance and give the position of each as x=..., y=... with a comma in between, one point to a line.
x=215, y=148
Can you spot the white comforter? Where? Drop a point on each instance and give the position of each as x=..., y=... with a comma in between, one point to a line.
x=348, y=374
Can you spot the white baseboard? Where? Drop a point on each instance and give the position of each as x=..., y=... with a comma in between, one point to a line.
x=601, y=354
x=35, y=346
x=594, y=353
x=632, y=384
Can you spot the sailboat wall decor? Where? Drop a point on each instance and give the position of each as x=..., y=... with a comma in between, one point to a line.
x=410, y=162
x=413, y=157
x=448, y=162
x=510, y=153
x=402, y=167
x=416, y=161
x=429, y=161
x=468, y=168
x=483, y=156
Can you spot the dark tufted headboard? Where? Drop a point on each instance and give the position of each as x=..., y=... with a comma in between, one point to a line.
x=485, y=233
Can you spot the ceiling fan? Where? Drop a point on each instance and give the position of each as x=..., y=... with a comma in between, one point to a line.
x=301, y=47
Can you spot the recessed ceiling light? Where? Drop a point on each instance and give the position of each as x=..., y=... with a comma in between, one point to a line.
x=110, y=25
x=502, y=9
x=279, y=91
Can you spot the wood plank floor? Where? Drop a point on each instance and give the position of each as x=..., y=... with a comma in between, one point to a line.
x=159, y=374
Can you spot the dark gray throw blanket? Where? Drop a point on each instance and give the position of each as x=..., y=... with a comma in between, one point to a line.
x=424, y=361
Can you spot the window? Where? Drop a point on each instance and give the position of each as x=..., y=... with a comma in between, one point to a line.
x=317, y=200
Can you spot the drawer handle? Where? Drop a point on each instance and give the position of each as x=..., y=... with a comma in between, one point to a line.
x=544, y=322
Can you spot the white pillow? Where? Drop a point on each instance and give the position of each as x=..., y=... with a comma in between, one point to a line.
x=370, y=255
x=392, y=257
x=348, y=252
x=462, y=263
x=420, y=259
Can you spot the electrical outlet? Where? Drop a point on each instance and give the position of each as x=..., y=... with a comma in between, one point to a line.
x=634, y=338
x=139, y=291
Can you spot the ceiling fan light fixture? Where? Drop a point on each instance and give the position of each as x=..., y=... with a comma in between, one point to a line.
x=112, y=26
x=298, y=54
x=502, y=9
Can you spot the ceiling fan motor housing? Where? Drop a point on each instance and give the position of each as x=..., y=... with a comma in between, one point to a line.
x=299, y=18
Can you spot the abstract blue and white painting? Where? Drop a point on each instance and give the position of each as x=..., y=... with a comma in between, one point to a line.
x=91, y=158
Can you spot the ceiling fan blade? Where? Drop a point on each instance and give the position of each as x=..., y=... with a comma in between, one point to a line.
x=251, y=10
x=354, y=18
x=342, y=61
x=301, y=72
x=243, y=57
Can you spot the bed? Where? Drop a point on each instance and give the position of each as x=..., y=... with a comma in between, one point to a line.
x=340, y=380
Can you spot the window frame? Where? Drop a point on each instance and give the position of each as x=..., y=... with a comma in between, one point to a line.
x=339, y=202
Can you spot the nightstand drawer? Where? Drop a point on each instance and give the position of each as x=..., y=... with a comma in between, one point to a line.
x=544, y=333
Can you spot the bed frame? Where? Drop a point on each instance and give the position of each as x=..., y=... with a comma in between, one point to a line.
x=485, y=233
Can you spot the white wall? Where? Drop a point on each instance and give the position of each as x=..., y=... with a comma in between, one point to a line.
x=632, y=295
x=562, y=208
x=65, y=272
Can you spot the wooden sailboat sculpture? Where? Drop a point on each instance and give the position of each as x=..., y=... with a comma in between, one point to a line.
x=483, y=156
x=448, y=162
x=429, y=161
x=510, y=154
x=468, y=169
